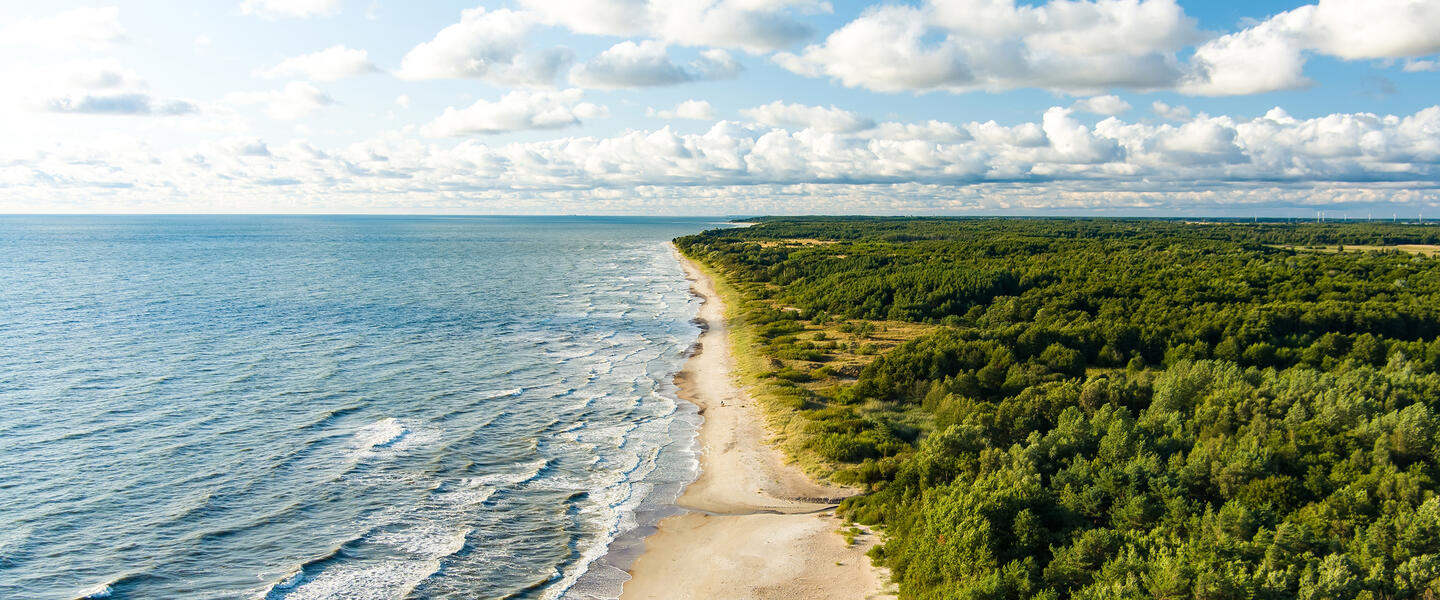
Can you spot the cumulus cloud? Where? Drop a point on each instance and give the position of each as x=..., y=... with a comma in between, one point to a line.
x=1173, y=113
x=488, y=45
x=1346, y=147
x=931, y=131
x=331, y=64
x=752, y=25
x=1086, y=47
x=272, y=9
x=1101, y=105
x=1054, y=161
x=1362, y=29
x=698, y=110
x=1415, y=66
x=516, y=111
x=884, y=50
x=962, y=45
x=96, y=87
x=628, y=64
x=297, y=100
x=800, y=116
x=1271, y=55
x=1263, y=58
x=124, y=103
x=74, y=28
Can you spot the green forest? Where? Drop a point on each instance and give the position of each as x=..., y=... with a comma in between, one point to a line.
x=1108, y=408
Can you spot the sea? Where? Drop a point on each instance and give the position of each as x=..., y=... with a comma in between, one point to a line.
x=276, y=407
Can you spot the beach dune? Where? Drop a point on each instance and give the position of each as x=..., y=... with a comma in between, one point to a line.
x=755, y=527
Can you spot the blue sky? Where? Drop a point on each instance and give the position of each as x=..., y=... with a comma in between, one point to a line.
x=721, y=107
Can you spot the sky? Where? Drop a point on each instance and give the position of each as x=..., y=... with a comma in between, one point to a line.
x=722, y=107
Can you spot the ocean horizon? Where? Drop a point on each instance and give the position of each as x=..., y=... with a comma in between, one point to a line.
x=338, y=406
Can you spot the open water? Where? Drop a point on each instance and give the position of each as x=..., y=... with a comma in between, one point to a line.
x=336, y=407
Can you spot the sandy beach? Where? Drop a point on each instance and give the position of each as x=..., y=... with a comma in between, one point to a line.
x=755, y=527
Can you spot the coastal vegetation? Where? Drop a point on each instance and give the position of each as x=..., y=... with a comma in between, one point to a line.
x=1093, y=408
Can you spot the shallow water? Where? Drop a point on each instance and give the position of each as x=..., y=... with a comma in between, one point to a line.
x=335, y=407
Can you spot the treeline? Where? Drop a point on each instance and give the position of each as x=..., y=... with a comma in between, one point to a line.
x=1268, y=231
x=1116, y=408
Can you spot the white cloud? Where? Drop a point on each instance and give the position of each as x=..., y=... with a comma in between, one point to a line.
x=962, y=45
x=331, y=64
x=116, y=103
x=1127, y=27
x=628, y=64
x=403, y=101
x=1362, y=29
x=202, y=44
x=1088, y=47
x=1415, y=66
x=1073, y=142
x=488, y=45
x=1173, y=113
x=1263, y=58
x=883, y=50
x=932, y=131
x=297, y=100
x=752, y=25
x=594, y=17
x=1055, y=161
x=1204, y=141
x=516, y=111
x=272, y=9
x=97, y=87
x=77, y=27
x=1271, y=55
x=1101, y=105
x=698, y=110
x=780, y=114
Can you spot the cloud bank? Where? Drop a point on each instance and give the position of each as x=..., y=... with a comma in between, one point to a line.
x=1057, y=161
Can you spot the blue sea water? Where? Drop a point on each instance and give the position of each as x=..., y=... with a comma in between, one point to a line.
x=336, y=407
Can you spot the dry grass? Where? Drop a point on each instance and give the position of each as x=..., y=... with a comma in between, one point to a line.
x=753, y=366
x=795, y=243
x=847, y=357
x=1420, y=249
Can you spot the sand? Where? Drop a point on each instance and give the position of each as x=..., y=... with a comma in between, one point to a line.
x=755, y=527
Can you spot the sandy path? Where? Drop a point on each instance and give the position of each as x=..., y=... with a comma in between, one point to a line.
x=758, y=528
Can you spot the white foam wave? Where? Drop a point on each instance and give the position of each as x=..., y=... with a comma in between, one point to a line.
x=425, y=540
x=462, y=493
x=381, y=581
x=291, y=580
x=381, y=434
x=528, y=471
x=391, y=434
x=95, y=593
x=493, y=394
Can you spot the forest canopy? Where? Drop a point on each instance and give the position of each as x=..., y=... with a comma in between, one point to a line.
x=1105, y=408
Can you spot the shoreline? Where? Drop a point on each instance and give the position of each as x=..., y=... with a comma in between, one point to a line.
x=753, y=526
